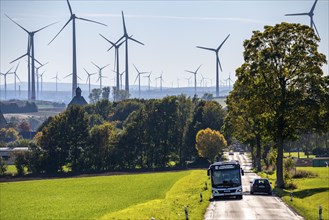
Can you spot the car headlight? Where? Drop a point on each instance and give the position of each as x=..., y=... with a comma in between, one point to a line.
x=239, y=190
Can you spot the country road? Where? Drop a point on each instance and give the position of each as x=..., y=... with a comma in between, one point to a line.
x=251, y=206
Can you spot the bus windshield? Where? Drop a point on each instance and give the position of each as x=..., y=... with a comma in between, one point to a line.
x=226, y=178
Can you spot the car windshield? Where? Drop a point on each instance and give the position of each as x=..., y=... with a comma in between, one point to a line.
x=226, y=178
x=261, y=182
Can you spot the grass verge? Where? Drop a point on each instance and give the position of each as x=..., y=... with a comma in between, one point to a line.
x=185, y=192
x=87, y=198
x=310, y=193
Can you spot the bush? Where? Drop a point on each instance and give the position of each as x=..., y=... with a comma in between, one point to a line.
x=290, y=185
x=304, y=174
x=3, y=167
x=20, y=162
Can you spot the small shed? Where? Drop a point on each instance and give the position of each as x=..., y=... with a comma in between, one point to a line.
x=321, y=162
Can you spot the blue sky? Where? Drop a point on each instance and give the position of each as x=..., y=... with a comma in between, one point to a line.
x=170, y=30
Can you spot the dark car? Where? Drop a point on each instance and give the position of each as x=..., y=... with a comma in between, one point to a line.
x=260, y=185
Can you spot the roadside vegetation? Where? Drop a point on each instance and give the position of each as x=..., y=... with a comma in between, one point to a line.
x=311, y=191
x=140, y=196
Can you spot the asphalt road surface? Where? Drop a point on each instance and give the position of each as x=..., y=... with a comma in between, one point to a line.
x=251, y=206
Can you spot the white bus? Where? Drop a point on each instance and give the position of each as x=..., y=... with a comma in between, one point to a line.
x=226, y=179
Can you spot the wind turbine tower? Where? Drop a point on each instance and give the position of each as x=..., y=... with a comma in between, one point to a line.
x=5, y=78
x=88, y=78
x=57, y=79
x=74, y=66
x=116, y=59
x=126, y=37
x=31, y=42
x=195, y=72
x=16, y=77
x=100, y=76
x=139, y=80
x=216, y=50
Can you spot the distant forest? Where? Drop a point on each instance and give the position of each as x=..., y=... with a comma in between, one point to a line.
x=16, y=106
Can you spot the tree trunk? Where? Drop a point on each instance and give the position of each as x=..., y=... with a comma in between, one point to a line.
x=258, y=154
x=279, y=164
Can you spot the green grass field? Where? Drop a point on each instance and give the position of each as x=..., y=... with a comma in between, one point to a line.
x=295, y=154
x=159, y=195
x=310, y=193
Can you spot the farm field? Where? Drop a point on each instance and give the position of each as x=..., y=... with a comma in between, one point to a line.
x=310, y=193
x=153, y=195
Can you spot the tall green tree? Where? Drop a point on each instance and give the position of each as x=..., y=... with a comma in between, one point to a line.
x=209, y=143
x=284, y=66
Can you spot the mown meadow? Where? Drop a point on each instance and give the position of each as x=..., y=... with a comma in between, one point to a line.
x=159, y=195
x=311, y=193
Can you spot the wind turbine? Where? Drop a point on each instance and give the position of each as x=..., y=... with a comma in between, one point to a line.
x=16, y=76
x=41, y=77
x=31, y=46
x=149, y=81
x=88, y=78
x=217, y=62
x=100, y=73
x=161, y=80
x=74, y=66
x=37, y=75
x=229, y=81
x=310, y=14
x=5, y=78
x=188, y=80
x=178, y=82
x=57, y=79
x=126, y=37
x=139, y=80
x=195, y=72
x=121, y=74
x=116, y=59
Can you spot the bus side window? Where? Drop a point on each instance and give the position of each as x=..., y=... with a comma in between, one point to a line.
x=242, y=172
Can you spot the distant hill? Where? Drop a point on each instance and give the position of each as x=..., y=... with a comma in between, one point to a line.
x=64, y=92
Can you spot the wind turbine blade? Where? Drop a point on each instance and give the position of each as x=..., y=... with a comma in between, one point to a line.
x=220, y=66
x=189, y=71
x=315, y=29
x=106, y=39
x=136, y=78
x=86, y=71
x=124, y=24
x=135, y=40
x=60, y=30
x=95, y=65
x=18, y=24
x=45, y=27
x=312, y=9
x=105, y=66
x=79, y=77
x=67, y=76
x=17, y=67
x=19, y=57
x=198, y=69
x=206, y=48
x=18, y=77
x=84, y=19
x=9, y=70
x=136, y=68
x=222, y=43
x=69, y=7
x=297, y=14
